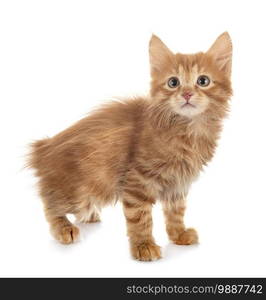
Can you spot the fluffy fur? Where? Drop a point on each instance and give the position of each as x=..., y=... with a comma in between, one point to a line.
x=139, y=150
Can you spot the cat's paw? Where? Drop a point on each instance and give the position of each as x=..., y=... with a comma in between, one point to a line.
x=67, y=234
x=147, y=251
x=94, y=218
x=187, y=237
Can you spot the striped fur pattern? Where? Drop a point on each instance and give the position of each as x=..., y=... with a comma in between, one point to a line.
x=139, y=150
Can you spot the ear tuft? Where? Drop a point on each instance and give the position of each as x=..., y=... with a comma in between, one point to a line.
x=221, y=51
x=159, y=54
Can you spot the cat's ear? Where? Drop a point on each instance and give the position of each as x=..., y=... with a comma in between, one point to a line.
x=160, y=55
x=221, y=51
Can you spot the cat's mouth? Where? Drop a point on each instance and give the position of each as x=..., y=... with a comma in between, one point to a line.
x=188, y=104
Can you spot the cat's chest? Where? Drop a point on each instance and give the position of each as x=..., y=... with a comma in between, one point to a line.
x=181, y=160
x=193, y=151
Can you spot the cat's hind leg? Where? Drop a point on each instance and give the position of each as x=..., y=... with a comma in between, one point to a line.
x=88, y=214
x=62, y=229
x=56, y=207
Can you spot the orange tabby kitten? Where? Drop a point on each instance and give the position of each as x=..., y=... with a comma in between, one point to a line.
x=140, y=150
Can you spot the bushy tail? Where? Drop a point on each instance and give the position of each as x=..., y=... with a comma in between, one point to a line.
x=37, y=153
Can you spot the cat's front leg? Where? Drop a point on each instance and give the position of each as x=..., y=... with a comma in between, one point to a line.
x=174, y=210
x=137, y=209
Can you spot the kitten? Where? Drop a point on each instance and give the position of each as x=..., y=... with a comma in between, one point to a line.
x=139, y=150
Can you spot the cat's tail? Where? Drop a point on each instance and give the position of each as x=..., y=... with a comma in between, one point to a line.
x=37, y=153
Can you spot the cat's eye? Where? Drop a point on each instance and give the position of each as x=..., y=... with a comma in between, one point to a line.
x=203, y=80
x=173, y=82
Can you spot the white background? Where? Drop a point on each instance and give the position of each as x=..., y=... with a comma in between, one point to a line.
x=58, y=59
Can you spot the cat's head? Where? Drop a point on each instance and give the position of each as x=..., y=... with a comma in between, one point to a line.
x=190, y=85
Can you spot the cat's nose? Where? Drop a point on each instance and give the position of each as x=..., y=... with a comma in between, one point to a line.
x=187, y=95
